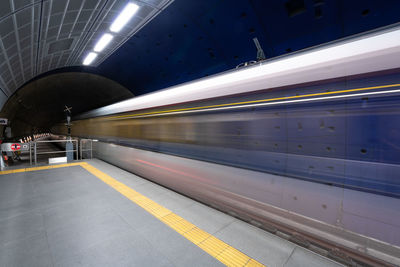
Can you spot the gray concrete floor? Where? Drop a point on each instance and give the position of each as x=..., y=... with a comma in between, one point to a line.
x=68, y=217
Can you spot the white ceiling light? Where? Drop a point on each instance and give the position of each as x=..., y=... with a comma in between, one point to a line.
x=89, y=58
x=103, y=42
x=124, y=17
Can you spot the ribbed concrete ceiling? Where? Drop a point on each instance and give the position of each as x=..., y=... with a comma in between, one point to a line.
x=39, y=36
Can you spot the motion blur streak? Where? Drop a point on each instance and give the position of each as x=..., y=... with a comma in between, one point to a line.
x=371, y=52
x=204, y=109
x=174, y=171
x=345, y=140
x=244, y=104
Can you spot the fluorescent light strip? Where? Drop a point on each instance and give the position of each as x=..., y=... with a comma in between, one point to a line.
x=89, y=58
x=103, y=42
x=124, y=17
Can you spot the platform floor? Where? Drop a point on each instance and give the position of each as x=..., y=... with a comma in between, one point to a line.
x=94, y=216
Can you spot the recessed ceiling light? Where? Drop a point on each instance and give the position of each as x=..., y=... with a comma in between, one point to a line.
x=89, y=58
x=124, y=17
x=103, y=42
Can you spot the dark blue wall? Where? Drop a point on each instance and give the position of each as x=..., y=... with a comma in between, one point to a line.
x=193, y=39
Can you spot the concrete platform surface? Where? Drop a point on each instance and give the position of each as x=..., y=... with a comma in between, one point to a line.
x=68, y=216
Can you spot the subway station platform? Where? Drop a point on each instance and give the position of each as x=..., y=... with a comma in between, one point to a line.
x=91, y=213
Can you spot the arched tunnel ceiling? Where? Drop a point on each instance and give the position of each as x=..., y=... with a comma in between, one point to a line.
x=40, y=104
x=37, y=36
x=188, y=40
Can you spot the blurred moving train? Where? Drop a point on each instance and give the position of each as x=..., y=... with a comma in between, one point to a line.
x=307, y=144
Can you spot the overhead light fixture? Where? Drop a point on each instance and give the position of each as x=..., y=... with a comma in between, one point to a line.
x=103, y=42
x=123, y=18
x=89, y=58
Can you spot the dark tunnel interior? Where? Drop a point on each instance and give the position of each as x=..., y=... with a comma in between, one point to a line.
x=40, y=104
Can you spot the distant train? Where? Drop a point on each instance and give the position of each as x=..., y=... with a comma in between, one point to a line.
x=329, y=115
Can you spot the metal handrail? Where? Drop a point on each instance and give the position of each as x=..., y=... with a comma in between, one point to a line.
x=78, y=148
x=35, y=153
x=55, y=152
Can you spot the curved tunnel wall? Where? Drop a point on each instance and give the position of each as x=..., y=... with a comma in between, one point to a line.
x=3, y=98
x=40, y=103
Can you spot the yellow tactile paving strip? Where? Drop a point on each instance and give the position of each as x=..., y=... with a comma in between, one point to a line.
x=40, y=168
x=213, y=246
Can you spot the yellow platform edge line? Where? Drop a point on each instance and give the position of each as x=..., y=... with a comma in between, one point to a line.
x=215, y=247
x=47, y=167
